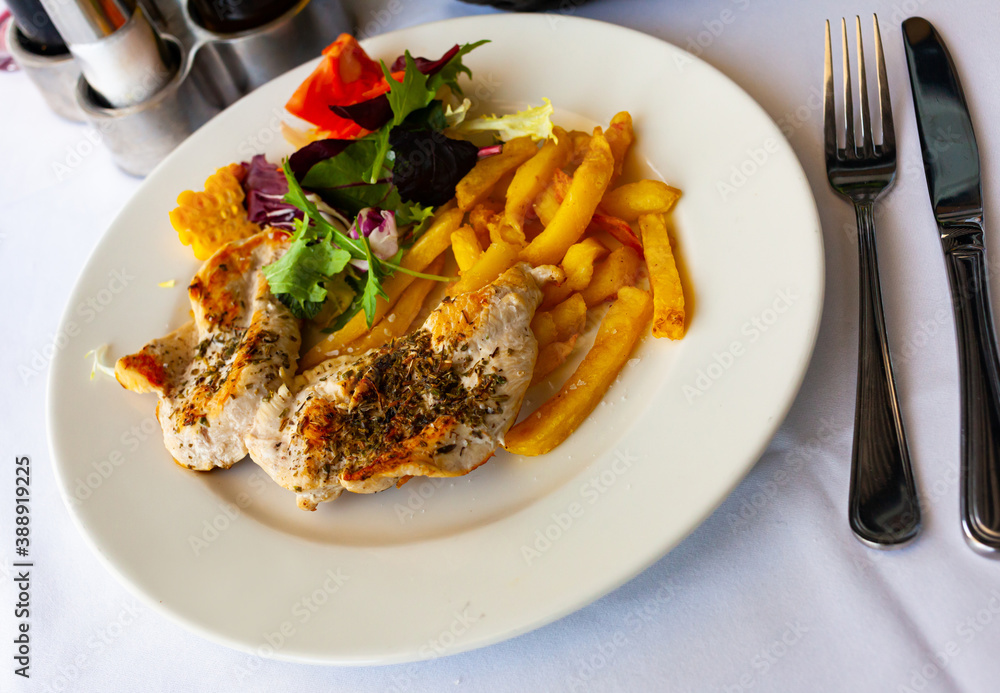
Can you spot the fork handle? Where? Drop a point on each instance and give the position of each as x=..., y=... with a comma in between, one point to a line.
x=980, y=390
x=884, y=510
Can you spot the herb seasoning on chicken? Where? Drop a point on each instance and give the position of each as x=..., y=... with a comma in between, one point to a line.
x=434, y=403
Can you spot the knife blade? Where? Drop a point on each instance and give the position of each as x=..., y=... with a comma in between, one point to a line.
x=951, y=164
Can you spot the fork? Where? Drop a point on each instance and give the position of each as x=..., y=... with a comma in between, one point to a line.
x=883, y=507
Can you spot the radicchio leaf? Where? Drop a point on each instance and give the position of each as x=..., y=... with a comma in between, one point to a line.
x=314, y=152
x=374, y=113
x=429, y=165
x=379, y=227
x=428, y=67
x=265, y=187
x=371, y=114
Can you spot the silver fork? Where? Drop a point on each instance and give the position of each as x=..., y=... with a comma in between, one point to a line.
x=883, y=506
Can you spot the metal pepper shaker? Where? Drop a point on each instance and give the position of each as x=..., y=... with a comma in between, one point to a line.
x=119, y=52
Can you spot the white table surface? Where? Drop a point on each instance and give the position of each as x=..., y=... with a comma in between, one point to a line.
x=771, y=593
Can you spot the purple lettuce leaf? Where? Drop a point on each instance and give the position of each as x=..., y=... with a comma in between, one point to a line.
x=371, y=114
x=428, y=67
x=314, y=152
x=379, y=227
x=374, y=113
x=265, y=187
x=429, y=165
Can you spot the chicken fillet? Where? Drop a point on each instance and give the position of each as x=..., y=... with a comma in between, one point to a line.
x=434, y=403
x=212, y=374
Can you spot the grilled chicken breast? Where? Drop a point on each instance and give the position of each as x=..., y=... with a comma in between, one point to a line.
x=434, y=403
x=212, y=374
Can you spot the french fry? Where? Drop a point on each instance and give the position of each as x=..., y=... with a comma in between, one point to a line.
x=578, y=265
x=581, y=140
x=547, y=203
x=579, y=262
x=620, y=137
x=533, y=176
x=601, y=221
x=543, y=325
x=434, y=241
x=498, y=194
x=479, y=219
x=500, y=230
x=550, y=357
x=570, y=317
x=558, y=417
x=397, y=321
x=618, y=229
x=532, y=227
x=664, y=280
x=589, y=183
x=478, y=183
x=620, y=269
x=553, y=294
x=629, y=201
x=465, y=245
x=497, y=259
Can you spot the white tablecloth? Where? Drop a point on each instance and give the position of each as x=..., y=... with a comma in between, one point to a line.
x=771, y=593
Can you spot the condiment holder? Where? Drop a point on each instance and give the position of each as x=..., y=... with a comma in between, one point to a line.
x=193, y=74
x=54, y=75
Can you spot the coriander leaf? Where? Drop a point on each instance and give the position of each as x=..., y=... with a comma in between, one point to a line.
x=448, y=75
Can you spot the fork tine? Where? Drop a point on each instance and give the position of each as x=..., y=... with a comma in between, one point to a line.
x=848, y=97
x=829, y=113
x=885, y=107
x=867, y=143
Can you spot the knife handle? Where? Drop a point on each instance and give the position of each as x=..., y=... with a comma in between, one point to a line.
x=883, y=506
x=979, y=371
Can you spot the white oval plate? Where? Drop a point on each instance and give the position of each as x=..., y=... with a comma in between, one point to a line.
x=441, y=566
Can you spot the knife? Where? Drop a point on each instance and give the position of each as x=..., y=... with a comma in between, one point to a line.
x=951, y=163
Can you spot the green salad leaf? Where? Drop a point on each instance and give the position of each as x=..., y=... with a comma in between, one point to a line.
x=373, y=287
x=534, y=122
x=298, y=276
x=357, y=177
x=448, y=75
x=404, y=97
x=339, y=179
x=413, y=213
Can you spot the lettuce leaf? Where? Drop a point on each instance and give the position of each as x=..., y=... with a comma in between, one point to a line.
x=339, y=180
x=264, y=188
x=298, y=276
x=534, y=122
x=429, y=165
x=448, y=75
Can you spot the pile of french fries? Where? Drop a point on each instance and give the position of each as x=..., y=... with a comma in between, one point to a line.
x=554, y=204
